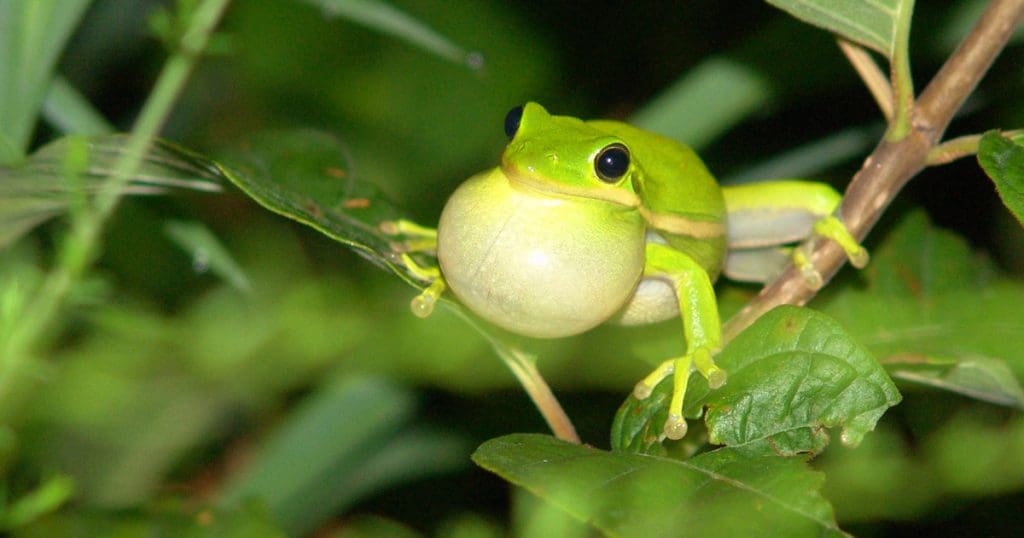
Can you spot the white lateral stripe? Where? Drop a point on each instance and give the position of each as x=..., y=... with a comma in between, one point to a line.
x=675, y=224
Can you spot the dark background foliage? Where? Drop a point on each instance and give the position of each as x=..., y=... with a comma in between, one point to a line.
x=169, y=385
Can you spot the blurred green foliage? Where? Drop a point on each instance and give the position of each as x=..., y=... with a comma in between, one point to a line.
x=169, y=398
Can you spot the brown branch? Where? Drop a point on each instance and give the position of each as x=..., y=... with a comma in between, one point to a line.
x=892, y=164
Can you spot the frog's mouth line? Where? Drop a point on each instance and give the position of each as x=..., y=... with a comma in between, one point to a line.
x=617, y=196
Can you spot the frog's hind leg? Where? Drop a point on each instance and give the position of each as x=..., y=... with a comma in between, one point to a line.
x=763, y=216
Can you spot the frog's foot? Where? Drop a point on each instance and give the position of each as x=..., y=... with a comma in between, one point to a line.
x=700, y=359
x=423, y=304
x=417, y=238
x=832, y=228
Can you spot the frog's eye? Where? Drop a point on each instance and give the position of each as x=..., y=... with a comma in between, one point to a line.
x=611, y=163
x=512, y=121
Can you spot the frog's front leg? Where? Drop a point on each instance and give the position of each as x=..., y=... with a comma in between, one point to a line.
x=701, y=327
x=417, y=238
x=763, y=216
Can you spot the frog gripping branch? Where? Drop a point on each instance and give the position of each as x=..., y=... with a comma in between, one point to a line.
x=587, y=222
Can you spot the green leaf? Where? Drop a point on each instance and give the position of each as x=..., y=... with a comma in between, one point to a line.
x=948, y=327
x=32, y=36
x=349, y=440
x=921, y=260
x=934, y=312
x=306, y=176
x=721, y=493
x=872, y=23
x=1003, y=161
x=792, y=374
x=983, y=378
x=38, y=189
x=385, y=18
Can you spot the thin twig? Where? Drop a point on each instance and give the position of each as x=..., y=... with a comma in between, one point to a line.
x=960, y=147
x=525, y=369
x=892, y=164
x=951, y=150
x=874, y=78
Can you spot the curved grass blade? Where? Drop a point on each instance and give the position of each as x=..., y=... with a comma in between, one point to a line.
x=385, y=18
x=38, y=189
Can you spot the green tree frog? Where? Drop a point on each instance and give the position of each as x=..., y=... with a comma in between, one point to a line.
x=587, y=222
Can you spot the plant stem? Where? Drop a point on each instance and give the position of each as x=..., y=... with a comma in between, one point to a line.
x=872, y=76
x=893, y=163
x=902, y=82
x=960, y=147
x=82, y=243
x=524, y=367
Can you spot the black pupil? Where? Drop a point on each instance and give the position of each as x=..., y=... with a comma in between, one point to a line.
x=512, y=121
x=611, y=164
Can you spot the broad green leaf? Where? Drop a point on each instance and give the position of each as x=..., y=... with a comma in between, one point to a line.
x=349, y=440
x=953, y=326
x=932, y=302
x=1003, y=161
x=39, y=189
x=208, y=254
x=384, y=17
x=872, y=23
x=32, y=36
x=921, y=260
x=306, y=176
x=792, y=374
x=705, y=102
x=721, y=493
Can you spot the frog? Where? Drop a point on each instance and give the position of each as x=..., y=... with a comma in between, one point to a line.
x=586, y=222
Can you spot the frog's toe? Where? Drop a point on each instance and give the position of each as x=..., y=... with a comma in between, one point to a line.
x=423, y=304
x=641, y=391
x=646, y=385
x=675, y=427
x=389, y=227
x=716, y=378
x=859, y=258
x=834, y=229
x=705, y=364
x=812, y=278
